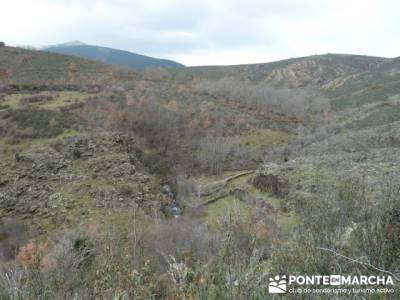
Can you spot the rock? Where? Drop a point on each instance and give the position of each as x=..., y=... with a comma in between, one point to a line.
x=45, y=182
x=269, y=179
x=267, y=183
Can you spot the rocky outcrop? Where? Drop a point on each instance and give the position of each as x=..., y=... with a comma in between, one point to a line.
x=52, y=181
x=269, y=180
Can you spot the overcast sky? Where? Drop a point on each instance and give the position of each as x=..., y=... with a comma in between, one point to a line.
x=206, y=32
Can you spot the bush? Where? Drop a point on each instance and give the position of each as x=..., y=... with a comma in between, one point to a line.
x=348, y=220
x=25, y=100
x=12, y=236
x=295, y=102
x=38, y=123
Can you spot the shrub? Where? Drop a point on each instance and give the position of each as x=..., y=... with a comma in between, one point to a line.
x=296, y=102
x=39, y=123
x=213, y=154
x=346, y=219
x=25, y=100
x=83, y=248
x=12, y=236
x=12, y=285
x=31, y=255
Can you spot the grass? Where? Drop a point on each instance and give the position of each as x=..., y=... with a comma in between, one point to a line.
x=382, y=116
x=225, y=207
x=231, y=205
x=286, y=220
x=8, y=151
x=265, y=137
x=12, y=101
x=66, y=98
x=367, y=88
x=61, y=99
x=84, y=202
x=68, y=133
x=98, y=182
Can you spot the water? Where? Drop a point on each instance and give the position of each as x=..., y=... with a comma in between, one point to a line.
x=174, y=208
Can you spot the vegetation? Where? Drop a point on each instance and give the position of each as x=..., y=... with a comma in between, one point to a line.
x=131, y=256
x=198, y=183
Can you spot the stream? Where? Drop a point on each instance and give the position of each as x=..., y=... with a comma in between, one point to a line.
x=174, y=208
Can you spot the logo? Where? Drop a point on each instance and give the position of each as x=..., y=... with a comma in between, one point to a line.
x=277, y=285
x=342, y=283
x=335, y=280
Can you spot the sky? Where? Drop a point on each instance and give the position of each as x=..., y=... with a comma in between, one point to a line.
x=209, y=32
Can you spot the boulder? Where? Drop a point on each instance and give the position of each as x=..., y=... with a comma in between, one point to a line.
x=269, y=180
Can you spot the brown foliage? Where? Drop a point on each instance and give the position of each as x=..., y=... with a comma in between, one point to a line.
x=207, y=123
x=33, y=255
x=102, y=114
x=296, y=103
x=3, y=74
x=129, y=100
x=52, y=123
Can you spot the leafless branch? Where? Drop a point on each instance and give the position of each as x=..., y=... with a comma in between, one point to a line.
x=360, y=262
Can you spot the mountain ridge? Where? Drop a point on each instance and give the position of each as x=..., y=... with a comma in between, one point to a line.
x=112, y=56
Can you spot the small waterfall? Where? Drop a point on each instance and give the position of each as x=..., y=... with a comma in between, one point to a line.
x=174, y=208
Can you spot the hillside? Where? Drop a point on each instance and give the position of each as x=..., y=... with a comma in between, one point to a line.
x=191, y=182
x=113, y=56
x=295, y=71
x=21, y=66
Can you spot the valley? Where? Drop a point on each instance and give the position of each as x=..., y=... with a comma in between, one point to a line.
x=265, y=163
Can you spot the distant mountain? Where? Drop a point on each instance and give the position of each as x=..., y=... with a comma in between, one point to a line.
x=71, y=43
x=112, y=56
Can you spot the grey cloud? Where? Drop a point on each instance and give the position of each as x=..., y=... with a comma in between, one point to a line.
x=184, y=29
